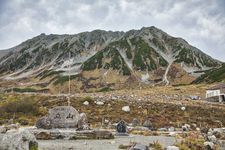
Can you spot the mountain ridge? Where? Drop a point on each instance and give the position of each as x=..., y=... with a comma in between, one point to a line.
x=149, y=54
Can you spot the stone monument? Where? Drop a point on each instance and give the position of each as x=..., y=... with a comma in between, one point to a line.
x=67, y=117
x=64, y=117
x=60, y=117
x=121, y=128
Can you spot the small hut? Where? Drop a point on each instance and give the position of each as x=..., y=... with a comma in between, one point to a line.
x=216, y=93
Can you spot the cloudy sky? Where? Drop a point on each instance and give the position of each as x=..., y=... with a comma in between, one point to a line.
x=200, y=22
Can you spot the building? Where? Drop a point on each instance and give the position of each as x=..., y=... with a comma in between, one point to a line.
x=216, y=93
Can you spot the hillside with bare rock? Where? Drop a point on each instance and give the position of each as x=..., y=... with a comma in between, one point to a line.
x=103, y=60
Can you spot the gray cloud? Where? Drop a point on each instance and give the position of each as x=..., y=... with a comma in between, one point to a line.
x=200, y=22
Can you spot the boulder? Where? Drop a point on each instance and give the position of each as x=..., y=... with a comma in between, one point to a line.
x=139, y=146
x=3, y=129
x=43, y=135
x=135, y=122
x=126, y=108
x=183, y=108
x=60, y=117
x=86, y=103
x=43, y=123
x=172, y=148
x=148, y=124
x=186, y=127
x=83, y=122
x=171, y=129
x=18, y=140
x=213, y=139
x=114, y=98
x=162, y=129
x=13, y=126
x=209, y=145
x=100, y=103
x=63, y=117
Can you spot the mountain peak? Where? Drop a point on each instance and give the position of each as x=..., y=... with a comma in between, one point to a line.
x=149, y=54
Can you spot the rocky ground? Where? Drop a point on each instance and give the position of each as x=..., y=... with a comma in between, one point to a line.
x=164, y=106
x=164, y=110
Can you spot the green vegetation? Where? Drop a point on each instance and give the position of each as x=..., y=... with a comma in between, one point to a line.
x=156, y=145
x=28, y=89
x=158, y=44
x=24, y=106
x=48, y=73
x=128, y=53
x=62, y=79
x=123, y=44
x=191, y=141
x=88, y=98
x=213, y=75
x=55, y=46
x=93, y=62
x=36, y=49
x=163, y=62
x=189, y=57
x=143, y=57
x=116, y=61
x=185, y=55
x=105, y=89
x=20, y=62
x=33, y=146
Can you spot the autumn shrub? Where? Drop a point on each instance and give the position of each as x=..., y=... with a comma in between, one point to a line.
x=26, y=106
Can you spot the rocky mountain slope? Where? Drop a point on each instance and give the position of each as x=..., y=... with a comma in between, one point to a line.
x=212, y=75
x=106, y=59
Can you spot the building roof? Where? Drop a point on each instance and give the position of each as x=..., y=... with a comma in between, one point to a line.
x=217, y=87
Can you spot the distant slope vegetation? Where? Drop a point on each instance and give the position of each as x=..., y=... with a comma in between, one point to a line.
x=212, y=75
x=105, y=58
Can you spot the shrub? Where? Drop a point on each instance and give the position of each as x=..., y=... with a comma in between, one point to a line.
x=156, y=145
x=20, y=106
x=23, y=121
x=88, y=98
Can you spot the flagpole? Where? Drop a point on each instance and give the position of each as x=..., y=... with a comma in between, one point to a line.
x=69, y=81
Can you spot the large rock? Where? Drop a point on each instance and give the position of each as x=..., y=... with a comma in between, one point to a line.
x=139, y=147
x=135, y=122
x=43, y=123
x=126, y=108
x=172, y=148
x=148, y=124
x=209, y=145
x=18, y=140
x=12, y=126
x=63, y=117
x=43, y=135
x=186, y=127
x=3, y=129
x=60, y=117
x=213, y=139
x=83, y=122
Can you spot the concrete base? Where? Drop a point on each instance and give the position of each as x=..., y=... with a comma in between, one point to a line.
x=121, y=134
x=71, y=134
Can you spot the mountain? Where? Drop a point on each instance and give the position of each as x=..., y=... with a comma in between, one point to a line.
x=212, y=75
x=106, y=59
x=3, y=53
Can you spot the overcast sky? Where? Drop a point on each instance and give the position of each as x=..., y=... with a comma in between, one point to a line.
x=200, y=22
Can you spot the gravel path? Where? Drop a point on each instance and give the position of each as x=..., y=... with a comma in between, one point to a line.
x=102, y=144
